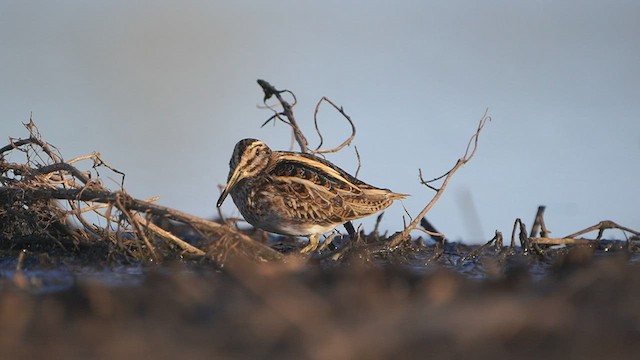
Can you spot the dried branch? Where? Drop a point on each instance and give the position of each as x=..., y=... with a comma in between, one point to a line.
x=524, y=240
x=431, y=230
x=470, y=151
x=315, y=122
x=428, y=183
x=479, y=250
x=601, y=227
x=270, y=91
x=359, y=161
x=571, y=239
x=556, y=241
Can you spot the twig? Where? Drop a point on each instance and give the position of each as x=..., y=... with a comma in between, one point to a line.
x=601, y=227
x=136, y=224
x=428, y=183
x=471, y=146
x=431, y=230
x=57, y=167
x=476, y=252
x=522, y=235
x=377, y=225
x=270, y=91
x=556, y=241
x=359, y=162
x=186, y=247
x=315, y=122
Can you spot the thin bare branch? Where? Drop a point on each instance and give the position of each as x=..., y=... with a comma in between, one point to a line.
x=315, y=122
x=601, y=226
x=477, y=251
x=556, y=241
x=359, y=161
x=270, y=91
x=427, y=183
x=471, y=146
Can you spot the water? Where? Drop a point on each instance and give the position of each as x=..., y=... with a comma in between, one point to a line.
x=40, y=277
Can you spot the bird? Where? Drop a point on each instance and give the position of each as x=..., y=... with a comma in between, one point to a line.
x=298, y=194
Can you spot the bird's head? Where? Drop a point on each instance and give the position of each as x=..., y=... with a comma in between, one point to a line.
x=250, y=157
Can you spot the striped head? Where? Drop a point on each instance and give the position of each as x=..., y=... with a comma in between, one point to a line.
x=250, y=157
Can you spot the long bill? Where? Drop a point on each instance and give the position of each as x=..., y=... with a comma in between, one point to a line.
x=235, y=177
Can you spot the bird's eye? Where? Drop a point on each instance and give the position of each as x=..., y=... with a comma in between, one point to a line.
x=258, y=152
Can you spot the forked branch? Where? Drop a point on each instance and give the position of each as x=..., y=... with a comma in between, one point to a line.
x=469, y=153
x=270, y=91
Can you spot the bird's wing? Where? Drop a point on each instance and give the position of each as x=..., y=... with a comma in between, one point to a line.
x=317, y=190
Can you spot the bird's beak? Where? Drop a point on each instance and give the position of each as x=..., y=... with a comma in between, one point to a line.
x=235, y=177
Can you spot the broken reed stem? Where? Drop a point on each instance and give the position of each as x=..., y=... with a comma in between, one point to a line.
x=470, y=151
x=538, y=224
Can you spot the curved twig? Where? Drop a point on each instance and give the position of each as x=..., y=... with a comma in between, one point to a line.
x=315, y=122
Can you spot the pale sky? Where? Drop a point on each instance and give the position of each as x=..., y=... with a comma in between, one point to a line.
x=165, y=89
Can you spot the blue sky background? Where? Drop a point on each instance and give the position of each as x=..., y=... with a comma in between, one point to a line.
x=165, y=89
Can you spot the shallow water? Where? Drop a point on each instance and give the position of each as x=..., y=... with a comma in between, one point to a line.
x=40, y=278
x=46, y=279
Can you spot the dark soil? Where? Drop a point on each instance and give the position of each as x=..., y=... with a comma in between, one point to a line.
x=583, y=303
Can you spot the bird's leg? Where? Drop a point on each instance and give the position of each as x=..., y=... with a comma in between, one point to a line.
x=314, y=240
x=350, y=230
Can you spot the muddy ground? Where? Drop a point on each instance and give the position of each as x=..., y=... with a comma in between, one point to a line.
x=583, y=303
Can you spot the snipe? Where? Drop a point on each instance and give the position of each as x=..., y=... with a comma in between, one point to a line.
x=297, y=194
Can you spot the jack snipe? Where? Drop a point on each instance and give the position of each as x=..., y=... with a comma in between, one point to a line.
x=296, y=193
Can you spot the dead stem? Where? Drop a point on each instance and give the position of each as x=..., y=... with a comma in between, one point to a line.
x=478, y=251
x=601, y=227
x=315, y=122
x=270, y=91
x=538, y=224
x=470, y=151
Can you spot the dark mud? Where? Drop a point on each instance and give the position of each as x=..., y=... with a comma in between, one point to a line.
x=584, y=302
